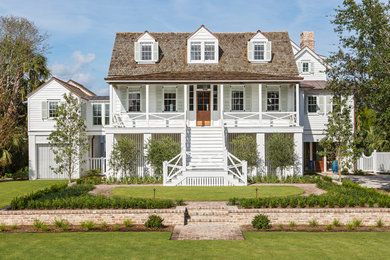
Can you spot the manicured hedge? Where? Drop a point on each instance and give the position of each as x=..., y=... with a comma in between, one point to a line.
x=125, y=180
x=77, y=197
x=288, y=179
x=348, y=194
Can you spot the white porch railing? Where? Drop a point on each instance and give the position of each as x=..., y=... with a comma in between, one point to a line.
x=376, y=162
x=173, y=167
x=238, y=118
x=237, y=168
x=98, y=163
x=140, y=119
x=280, y=118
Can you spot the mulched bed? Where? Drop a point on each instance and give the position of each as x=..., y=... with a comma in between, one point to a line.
x=307, y=228
x=73, y=228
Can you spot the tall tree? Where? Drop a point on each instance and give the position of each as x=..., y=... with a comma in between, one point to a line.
x=339, y=139
x=69, y=141
x=124, y=157
x=361, y=66
x=22, y=69
x=280, y=152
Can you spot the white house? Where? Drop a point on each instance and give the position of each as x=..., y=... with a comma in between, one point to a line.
x=202, y=89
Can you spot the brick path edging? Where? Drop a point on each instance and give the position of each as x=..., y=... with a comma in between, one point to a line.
x=176, y=216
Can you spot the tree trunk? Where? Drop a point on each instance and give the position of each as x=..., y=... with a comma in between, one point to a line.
x=339, y=163
x=70, y=169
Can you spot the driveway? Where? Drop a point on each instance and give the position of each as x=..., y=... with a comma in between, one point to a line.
x=381, y=182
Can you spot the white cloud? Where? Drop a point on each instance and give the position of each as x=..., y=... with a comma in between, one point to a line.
x=78, y=71
x=102, y=92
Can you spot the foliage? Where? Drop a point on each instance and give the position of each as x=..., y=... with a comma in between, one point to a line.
x=339, y=136
x=89, y=180
x=329, y=227
x=88, y=225
x=245, y=148
x=14, y=226
x=154, y=222
x=313, y=223
x=103, y=224
x=280, y=151
x=23, y=69
x=21, y=174
x=124, y=157
x=40, y=225
x=3, y=227
x=69, y=140
x=160, y=150
x=283, y=179
x=348, y=193
x=292, y=224
x=155, y=179
x=77, y=197
x=261, y=222
x=93, y=172
x=361, y=67
x=379, y=223
x=357, y=223
x=62, y=224
x=127, y=223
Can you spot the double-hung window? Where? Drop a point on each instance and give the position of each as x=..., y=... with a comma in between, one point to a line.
x=97, y=114
x=170, y=100
x=312, y=106
x=134, y=99
x=106, y=114
x=273, y=100
x=258, y=51
x=209, y=51
x=203, y=52
x=196, y=51
x=237, y=100
x=305, y=66
x=191, y=101
x=52, y=108
x=146, y=51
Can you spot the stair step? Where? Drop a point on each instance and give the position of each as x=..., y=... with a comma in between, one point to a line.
x=209, y=212
x=208, y=219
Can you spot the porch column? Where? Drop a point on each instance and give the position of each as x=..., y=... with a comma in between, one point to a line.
x=260, y=103
x=147, y=105
x=221, y=105
x=111, y=91
x=260, y=141
x=185, y=103
x=298, y=140
x=147, y=167
x=311, y=151
x=297, y=102
x=109, y=146
x=32, y=160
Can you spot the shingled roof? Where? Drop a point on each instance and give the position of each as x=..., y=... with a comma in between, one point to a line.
x=233, y=62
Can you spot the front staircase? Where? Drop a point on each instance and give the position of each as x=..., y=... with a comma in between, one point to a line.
x=205, y=161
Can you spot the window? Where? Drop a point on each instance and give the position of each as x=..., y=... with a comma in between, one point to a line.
x=209, y=51
x=134, y=101
x=146, y=51
x=215, y=97
x=237, y=100
x=170, y=100
x=305, y=67
x=196, y=53
x=191, y=98
x=258, y=51
x=312, y=104
x=273, y=100
x=106, y=114
x=97, y=114
x=53, y=105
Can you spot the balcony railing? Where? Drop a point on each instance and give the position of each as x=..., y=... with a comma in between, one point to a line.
x=140, y=119
x=242, y=119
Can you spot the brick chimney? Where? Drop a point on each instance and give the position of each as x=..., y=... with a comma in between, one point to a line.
x=307, y=39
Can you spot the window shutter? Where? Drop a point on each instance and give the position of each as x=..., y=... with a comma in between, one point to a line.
x=328, y=104
x=321, y=104
x=44, y=110
x=84, y=111
x=283, y=98
x=137, y=51
x=159, y=98
x=268, y=51
x=226, y=98
x=155, y=52
x=180, y=99
x=311, y=69
x=250, y=51
x=264, y=98
x=124, y=97
x=143, y=98
x=248, y=98
x=299, y=64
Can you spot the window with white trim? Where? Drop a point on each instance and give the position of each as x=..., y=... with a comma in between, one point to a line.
x=203, y=52
x=106, y=114
x=305, y=66
x=237, y=100
x=258, y=50
x=209, y=51
x=312, y=105
x=97, y=114
x=52, y=107
x=272, y=100
x=134, y=99
x=196, y=51
x=146, y=51
x=169, y=100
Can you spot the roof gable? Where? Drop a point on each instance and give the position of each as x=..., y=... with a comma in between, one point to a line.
x=146, y=37
x=259, y=37
x=310, y=52
x=202, y=33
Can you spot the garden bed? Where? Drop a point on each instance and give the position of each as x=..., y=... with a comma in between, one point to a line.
x=320, y=228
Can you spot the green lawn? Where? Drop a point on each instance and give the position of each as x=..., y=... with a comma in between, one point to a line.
x=154, y=245
x=205, y=193
x=12, y=189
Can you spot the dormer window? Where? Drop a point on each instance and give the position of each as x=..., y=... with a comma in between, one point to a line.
x=202, y=47
x=306, y=67
x=259, y=49
x=146, y=49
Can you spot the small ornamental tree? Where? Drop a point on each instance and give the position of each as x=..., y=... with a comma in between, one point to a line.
x=280, y=151
x=160, y=150
x=245, y=148
x=68, y=141
x=124, y=157
x=339, y=136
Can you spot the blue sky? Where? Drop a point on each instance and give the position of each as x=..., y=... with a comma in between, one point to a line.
x=82, y=32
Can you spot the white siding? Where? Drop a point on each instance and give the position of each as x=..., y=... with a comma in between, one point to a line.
x=318, y=68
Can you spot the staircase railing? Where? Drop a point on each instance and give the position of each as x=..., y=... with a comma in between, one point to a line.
x=233, y=165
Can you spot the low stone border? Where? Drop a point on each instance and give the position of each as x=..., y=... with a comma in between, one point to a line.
x=176, y=216
x=323, y=216
x=76, y=216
